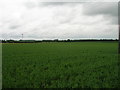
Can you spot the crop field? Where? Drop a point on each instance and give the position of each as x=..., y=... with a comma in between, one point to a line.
x=60, y=65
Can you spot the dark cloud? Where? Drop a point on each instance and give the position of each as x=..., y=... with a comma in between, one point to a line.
x=108, y=9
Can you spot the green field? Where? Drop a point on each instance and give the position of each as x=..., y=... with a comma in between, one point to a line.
x=60, y=65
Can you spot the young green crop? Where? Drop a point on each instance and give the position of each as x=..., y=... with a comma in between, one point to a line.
x=60, y=65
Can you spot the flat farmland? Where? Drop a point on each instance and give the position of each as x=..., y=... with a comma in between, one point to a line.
x=60, y=65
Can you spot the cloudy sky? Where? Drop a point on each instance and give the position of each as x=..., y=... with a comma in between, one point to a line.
x=58, y=20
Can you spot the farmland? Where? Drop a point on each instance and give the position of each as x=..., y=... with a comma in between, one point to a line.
x=60, y=65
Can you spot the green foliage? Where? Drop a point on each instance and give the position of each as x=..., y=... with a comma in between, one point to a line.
x=60, y=65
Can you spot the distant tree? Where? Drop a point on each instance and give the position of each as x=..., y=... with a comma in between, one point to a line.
x=68, y=40
x=56, y=40
x=10, y=41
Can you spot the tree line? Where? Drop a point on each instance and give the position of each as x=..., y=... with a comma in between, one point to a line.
x=55, y=40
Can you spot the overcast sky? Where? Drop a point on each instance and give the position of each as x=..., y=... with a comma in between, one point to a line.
x=58, y=20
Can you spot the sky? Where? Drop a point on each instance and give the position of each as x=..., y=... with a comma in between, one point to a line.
x=58, y=20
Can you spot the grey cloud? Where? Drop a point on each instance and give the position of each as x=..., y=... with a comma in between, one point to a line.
x=113, y=20
x=52, y=3
x=30, y=4
x=42, y=4
x=59, y=3
x=14, y=27
x=62, y=22
x=46, y=4
x=11, y=36
x=110, y=8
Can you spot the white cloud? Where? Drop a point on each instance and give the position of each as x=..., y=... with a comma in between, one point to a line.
x=50, y=21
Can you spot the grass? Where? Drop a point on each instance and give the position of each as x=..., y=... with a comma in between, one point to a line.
x=60, y=65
